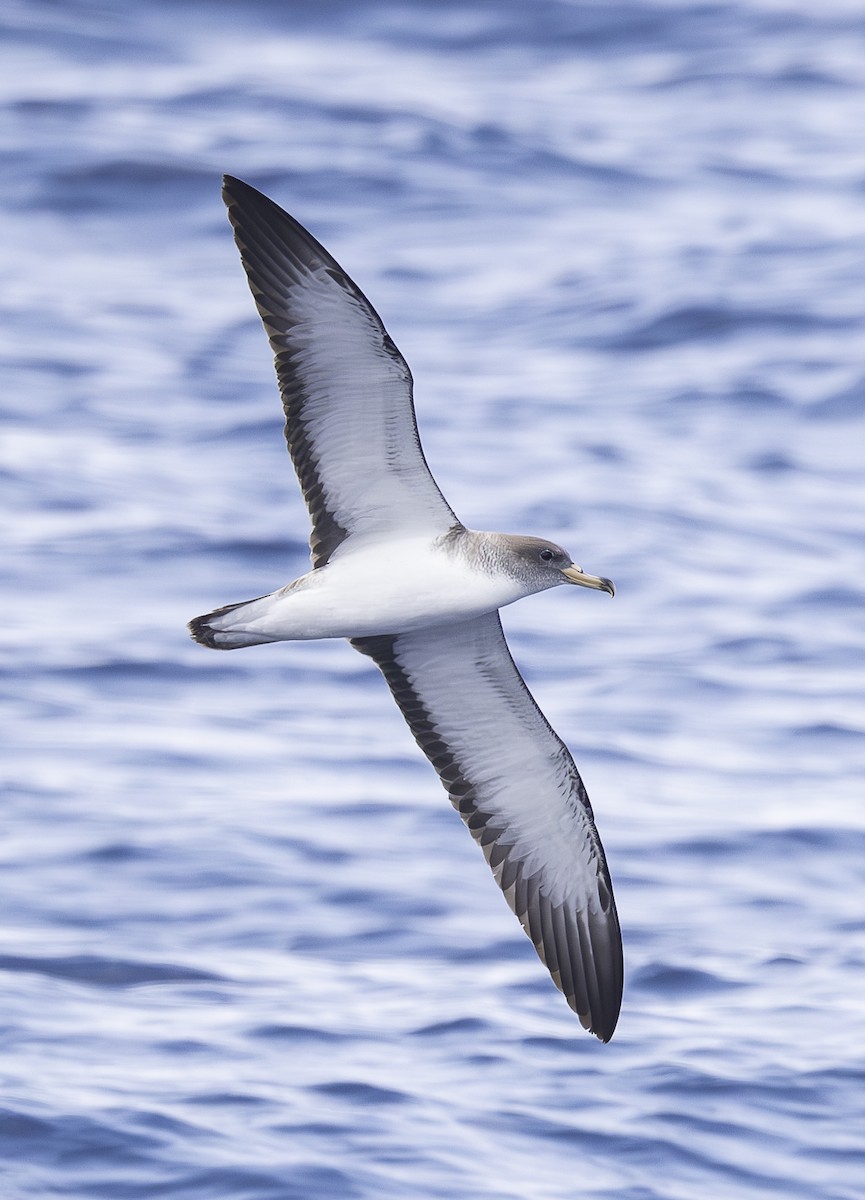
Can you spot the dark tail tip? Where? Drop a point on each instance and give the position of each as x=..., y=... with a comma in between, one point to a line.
x=214, y=631
x=202, y=633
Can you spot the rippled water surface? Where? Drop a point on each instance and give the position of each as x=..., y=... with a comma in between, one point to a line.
x=247, y=949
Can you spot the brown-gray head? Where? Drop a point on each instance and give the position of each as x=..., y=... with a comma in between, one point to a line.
x=541, y=564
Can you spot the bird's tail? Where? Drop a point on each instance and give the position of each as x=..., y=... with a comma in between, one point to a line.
x=230, y=627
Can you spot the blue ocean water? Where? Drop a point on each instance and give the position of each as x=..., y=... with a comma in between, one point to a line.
x=248, y=951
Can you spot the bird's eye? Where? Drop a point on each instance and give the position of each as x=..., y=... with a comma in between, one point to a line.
x=547, y=555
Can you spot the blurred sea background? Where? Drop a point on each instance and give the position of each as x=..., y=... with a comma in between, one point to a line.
x=247, y=949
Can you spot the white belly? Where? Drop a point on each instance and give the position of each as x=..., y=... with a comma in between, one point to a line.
x=379, y=589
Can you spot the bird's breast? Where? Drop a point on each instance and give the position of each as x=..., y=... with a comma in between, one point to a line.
x=393, y=588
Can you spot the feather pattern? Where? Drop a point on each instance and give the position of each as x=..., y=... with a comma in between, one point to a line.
x=346, y=389
x=516, y=787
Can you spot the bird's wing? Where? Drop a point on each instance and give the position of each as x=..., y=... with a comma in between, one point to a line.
x=517, y=789
x=346, y=389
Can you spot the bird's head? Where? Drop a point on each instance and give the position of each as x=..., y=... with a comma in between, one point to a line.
x=548, y=565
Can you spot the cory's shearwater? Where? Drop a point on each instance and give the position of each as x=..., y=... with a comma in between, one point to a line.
x=396, y=573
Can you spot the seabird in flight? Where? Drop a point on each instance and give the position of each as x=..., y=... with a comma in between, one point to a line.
x=397, y=573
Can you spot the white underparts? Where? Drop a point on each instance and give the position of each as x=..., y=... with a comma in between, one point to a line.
x=367, y=589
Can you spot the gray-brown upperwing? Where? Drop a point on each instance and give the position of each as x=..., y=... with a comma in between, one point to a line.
x=518, y=790
x=346, y=389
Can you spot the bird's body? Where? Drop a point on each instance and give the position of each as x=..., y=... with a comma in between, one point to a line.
x=397, y=573
x=376, y=587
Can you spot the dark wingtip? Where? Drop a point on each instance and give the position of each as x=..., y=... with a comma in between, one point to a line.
x=233, y=190
x=604, y=1027
x=609, y=957
x=599, y=953
x=601, y=1022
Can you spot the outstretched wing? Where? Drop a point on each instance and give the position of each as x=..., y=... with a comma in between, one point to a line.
x=517, y=789
x=346, y=389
